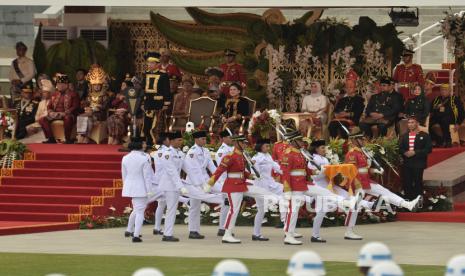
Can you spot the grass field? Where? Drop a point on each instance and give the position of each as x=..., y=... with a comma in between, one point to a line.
x=15, y=264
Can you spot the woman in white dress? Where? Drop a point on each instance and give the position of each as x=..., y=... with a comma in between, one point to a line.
x=316, y=104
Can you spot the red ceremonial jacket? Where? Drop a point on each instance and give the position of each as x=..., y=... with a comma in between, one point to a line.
x=355, y=156
x=171, y=69
x=295, y=170
x=70, y=101
x=232, y=73
x=234, y=165
x=407, y=77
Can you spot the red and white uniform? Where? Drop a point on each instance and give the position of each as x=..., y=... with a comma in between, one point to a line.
x=232, y=73
x=170, y=69
x=406, y=76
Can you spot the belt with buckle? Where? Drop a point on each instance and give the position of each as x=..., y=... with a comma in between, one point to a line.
x=300, y=172
x=235, y=175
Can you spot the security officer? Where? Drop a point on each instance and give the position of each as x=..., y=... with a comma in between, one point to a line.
x=26, y=109
x=408, y=74
x=171, y=183
x=137, y=176
x=196, y=164
x=225, y=148
x=157, y=98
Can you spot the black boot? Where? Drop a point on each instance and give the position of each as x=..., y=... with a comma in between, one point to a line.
x=196, y=236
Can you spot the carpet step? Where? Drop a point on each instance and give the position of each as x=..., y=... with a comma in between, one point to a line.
x=82, y=165
x=458, y=217
x=459, y=207
x=40, y=208
x=50, y=190
x=68, y=182
x=27, y=227
x=56, y=199
x=79, y=157
x=70, y=173
x=29, y=216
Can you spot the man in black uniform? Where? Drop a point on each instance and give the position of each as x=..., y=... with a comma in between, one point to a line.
x=415, y=145
x=157, y=98
x=382, y=110
x=26, y=109
x=347, y=112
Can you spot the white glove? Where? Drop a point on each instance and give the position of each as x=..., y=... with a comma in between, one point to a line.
x=361, y=191
x=150, y=194
x=317, y=172
x=287, y=196
x=184, y=191
x=378, y=171
x=207, y=188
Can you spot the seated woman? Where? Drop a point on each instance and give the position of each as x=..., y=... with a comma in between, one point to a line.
x=117, y=123
x=317, y=105
x=446, y=116
x=235, y=108
x=418, y=107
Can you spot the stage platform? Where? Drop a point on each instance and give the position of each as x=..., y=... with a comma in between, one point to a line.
x=59, y=186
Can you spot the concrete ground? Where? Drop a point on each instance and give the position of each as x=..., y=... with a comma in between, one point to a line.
x=410, y=242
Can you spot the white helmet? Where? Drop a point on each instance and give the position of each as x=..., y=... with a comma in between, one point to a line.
x=456, y=266
x=230, y=267
x=304, y=273
x=147, y=271
x=373, y=253
x=385, y=268
x=306, y=260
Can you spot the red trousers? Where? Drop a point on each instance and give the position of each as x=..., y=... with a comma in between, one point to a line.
x=68, y=123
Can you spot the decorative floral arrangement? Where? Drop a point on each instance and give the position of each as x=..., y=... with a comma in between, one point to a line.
x=262, y=123
x=110, y=221
x=342, y=60
x=333, y=157
x=278, y=59
x=371, y=53
x=11, y=150
x=7, y=122
x=436, y=200
x=453, y=29
x=303, y=56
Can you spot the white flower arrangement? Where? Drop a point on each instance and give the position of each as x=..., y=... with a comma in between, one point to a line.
x=215, y=214
x=246, y=214
x=127, y=210
x=453, y=30
x=342, y=60
x=112, y=208
x=332, y=156
x=7, y=121
x=204, y=208
x=185, y=149
x=372, y=54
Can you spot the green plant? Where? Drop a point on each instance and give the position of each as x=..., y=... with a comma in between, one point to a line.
x=39, y=54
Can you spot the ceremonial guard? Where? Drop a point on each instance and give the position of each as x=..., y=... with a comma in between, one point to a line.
x=357, y=155
x=164, y=145
x=167, y=66
x=295, y=172
x=347, y=111
x=446, y=114
x=382, y=110
x=63, y=106
x=137, y=176
x=157, y=98
x=171, y=183
x=408, y=74
x=236, y=185
x=225, y=148
x=232, y=72
x=196, y=164
x=22, y=71
x=26, y=109
x=266, y=166
x=319, y=178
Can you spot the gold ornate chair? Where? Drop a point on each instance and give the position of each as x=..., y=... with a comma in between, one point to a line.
x=201, y=111
x=245, y=119
x=58, y=130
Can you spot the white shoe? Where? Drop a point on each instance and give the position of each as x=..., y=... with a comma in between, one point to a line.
x=289, y=239
x=350, y=235
x=228, y=238
x=297, y=235
x=410, y=205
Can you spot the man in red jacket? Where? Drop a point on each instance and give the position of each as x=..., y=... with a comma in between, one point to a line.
x=407, y=75
x=233, y=72
x=63, y=106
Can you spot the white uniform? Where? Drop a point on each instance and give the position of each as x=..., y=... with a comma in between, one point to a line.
x=137, y=173
x=161, y=206
x=322, y=181
x=196, y=163
x=265, y=166
x=170, y=183
x=222, y=152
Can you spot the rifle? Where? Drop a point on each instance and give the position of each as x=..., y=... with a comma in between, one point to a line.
x=249, y=161
x=368, y=155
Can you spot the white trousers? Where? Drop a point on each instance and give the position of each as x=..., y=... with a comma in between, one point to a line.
x=297, y=199
x=161, y=207
x=172, y=199
x=223, y=213
x=390, y=197
x=197, y=195
x=276, y=189
x=136, y=218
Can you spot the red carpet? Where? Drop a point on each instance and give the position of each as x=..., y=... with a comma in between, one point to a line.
x=59, y=186
x=440, y=154
x=458, y=215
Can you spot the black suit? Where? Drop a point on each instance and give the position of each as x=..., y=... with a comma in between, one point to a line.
x=26, y=111
x=414, y=166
